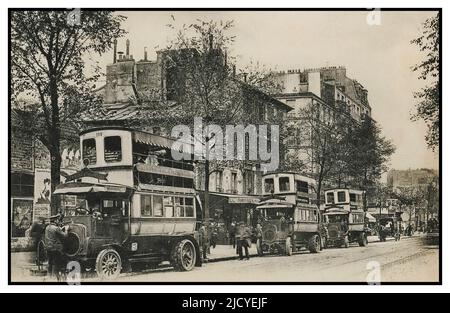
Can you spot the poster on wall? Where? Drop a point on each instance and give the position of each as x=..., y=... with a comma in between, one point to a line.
x=22, y=213
x=42, y=193
x=42, y=186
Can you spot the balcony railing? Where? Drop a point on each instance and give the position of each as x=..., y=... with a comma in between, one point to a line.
x=155, y=160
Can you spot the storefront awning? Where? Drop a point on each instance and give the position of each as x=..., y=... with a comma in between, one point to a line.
x=237, y=199
x=79, y=188
x=274, y=204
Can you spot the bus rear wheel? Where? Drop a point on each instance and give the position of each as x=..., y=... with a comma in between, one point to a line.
x=184, y=255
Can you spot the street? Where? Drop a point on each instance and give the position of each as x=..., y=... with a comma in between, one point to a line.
x=408, y=260
x=405, y=261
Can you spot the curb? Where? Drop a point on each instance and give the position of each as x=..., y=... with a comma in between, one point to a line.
x=226, y=258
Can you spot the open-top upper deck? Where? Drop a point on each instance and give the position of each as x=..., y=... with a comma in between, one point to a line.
x=137, y=158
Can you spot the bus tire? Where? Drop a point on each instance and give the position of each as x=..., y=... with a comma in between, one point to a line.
x=108, y=264
x=314, y=244
x=184, y=256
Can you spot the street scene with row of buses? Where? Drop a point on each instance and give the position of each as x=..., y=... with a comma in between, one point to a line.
x=124, y=215
x=165, y=147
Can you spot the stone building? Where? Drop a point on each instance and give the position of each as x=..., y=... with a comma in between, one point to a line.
x=420, y=178
x=323, y=89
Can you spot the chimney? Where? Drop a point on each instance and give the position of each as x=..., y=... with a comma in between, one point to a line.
x=128, y=49
x=245, y=77
x=115, y=51
x=145, y=53
x=234, y=70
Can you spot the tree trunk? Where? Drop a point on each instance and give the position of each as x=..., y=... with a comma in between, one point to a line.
x=55, y=167
x=54, y=143
x=206, y=205
x=319, y=190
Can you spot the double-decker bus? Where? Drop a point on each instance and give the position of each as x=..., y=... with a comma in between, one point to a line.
x=289, y=220
x=345, y=218
x=131, y=203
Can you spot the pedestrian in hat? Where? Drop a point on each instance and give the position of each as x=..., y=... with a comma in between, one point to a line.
x=244, y=241
x=204, y=240
x=54, y=236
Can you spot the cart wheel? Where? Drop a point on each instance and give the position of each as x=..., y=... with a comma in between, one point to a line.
x=259, y=247
x=108, y=264
x=184, y=255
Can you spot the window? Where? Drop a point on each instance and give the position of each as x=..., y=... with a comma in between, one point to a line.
x=157, y=206
x=248, y=182
x=113, y=149
x=146, y=205
x=22, y=185
x=330, y=197
x=234, y=182
x=89, y=151
x=302, y=186
x=268, y=185
x=179, y=207
x=341, y=196
x=189, y=207
x=115, y=207
x=168, y=207
x=219, y=179
x=358, y=218
x=352, y=197
x=284, y=184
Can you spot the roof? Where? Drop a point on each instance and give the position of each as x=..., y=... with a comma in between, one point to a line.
x=274, y=204
x=263, y=94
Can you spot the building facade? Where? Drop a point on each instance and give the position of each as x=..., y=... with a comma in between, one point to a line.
x=323, y=89
x=420, y=178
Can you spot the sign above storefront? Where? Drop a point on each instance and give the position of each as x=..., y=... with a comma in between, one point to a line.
x=244, y=200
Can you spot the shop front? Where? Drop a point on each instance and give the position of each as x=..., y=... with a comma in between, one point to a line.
x=226, y=209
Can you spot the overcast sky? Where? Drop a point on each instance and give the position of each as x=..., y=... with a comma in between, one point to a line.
x=380, y=57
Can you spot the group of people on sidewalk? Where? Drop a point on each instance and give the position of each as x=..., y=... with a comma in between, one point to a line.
x=240, y=236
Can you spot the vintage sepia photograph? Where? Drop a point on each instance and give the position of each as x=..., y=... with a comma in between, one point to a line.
x=224, y=146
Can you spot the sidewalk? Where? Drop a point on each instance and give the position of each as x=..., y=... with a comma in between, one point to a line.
x=227, y=252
